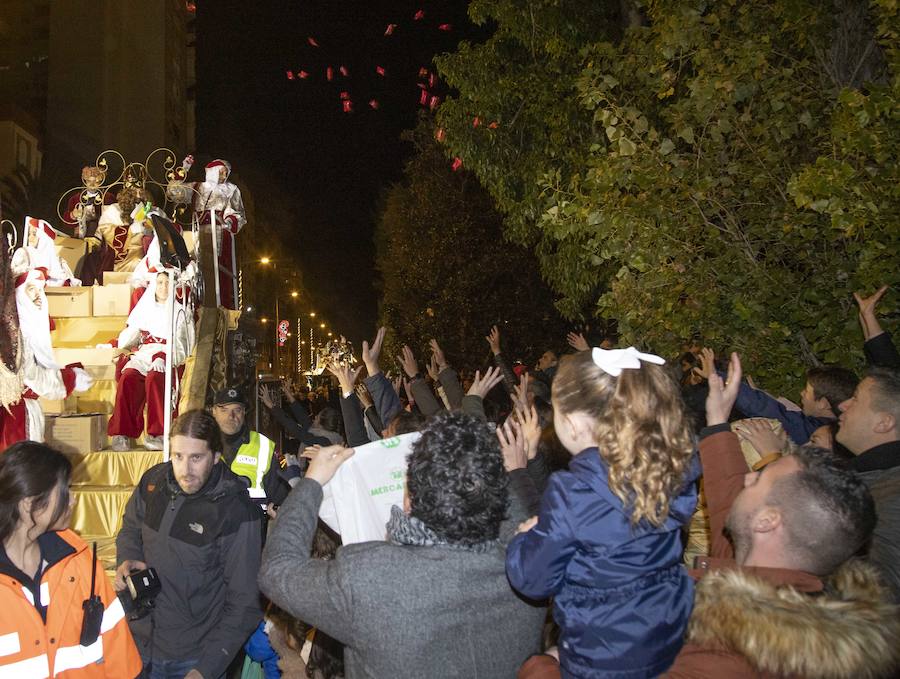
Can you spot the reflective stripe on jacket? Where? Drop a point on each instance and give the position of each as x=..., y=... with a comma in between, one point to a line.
x=252, y=461
x=30, y=649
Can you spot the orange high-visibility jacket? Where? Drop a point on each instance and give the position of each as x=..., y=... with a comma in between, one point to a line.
x=31, y=649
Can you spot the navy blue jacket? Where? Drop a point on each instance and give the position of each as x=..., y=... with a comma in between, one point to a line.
x=622, y=597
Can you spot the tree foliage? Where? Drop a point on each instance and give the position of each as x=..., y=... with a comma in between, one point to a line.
x=446, y=271
x=724, y=168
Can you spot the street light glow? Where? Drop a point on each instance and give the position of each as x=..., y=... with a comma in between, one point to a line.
x=294, y=294
x=312, y=314
x=263, y=320
x=322, y=325
x=264, y=260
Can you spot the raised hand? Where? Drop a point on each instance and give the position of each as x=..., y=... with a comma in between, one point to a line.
x=531, y=430
x=370, y=354
x=512, y=445
x=577, y=341
x=868, y=319
x=345, y=374
x=438, y=354
x=520, y=393
x=722, y=395
x=432, y=368
x=493, y=339
x=364, y=396
x=265, y=395
x=707, y=363
x=397, y=383
x=324, y=461
x=408, y=361
x=482, y=385
x=287, y=391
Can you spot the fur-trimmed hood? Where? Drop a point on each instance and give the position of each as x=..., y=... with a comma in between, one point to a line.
x=849, y=630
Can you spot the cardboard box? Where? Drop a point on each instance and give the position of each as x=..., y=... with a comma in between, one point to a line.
x=112, y=299
x=70, y=249
x=69, y=302
x=86, y=332
x=76, y=433
x=116, y=277
x=54, y=407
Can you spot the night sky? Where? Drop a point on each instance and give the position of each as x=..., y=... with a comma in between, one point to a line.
x=293, y=140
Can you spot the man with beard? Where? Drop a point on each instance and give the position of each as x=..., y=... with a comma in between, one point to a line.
x=191, y=520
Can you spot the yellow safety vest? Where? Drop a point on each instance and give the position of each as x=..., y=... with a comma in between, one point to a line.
x=252, y=462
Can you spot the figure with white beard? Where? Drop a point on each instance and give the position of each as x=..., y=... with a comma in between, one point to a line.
x=219, y=196
x=41, y=375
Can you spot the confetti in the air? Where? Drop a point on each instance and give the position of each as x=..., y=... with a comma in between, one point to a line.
x=302, y=74
x=344, y=71
x=418, y=16
x=457, y=163
x=374, y=104
x=345, y=95
x=390, y=29
x=290, y=75
x=312, y=41
x=329, y=73
x=379, y=70
x=445, y=27
x=348, y=106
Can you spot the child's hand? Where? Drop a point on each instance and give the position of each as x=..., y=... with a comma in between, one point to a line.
x=526, y=526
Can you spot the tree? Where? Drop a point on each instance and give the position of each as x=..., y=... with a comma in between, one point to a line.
x=446, y=271
x=718, y=168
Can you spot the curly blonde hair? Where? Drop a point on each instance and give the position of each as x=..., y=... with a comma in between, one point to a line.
x=642, y=431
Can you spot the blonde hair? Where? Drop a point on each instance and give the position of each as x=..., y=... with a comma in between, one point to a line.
x=641, y=429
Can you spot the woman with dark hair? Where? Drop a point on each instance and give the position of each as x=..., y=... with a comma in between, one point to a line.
x=46, y=573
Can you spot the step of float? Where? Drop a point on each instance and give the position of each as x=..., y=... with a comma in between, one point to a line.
x=108, y=468
x=86, y=332
x=98, y=510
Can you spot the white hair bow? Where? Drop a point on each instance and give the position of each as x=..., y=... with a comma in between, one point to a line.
x=614, y=361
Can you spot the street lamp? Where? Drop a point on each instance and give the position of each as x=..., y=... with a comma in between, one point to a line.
x=295, y=294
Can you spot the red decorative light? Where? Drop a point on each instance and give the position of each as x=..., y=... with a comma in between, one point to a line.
x=302, y=74
x=445, y=27
x=329, y=74
x=344, y=71
x=457, y=163
x=380, y=70
x=348, y=106
x=290, y=75
x=312, y=41
x=418, y=16
x=390, y=29
x=374, y=104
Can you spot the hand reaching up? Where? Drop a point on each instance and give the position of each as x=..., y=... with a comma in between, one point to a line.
x=520, y=393
x=265, y=395
x=345, y=374
x=512, y=445
x=408, y=361
x=577, y=341
x=364, y=396
x=722, y=395
x=482, y=385
x=370, y=354
x=531, y=430
x=868, y=319
x=438, y=354
x=493, y=339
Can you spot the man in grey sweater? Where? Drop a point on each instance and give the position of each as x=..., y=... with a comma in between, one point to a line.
x=433, y=600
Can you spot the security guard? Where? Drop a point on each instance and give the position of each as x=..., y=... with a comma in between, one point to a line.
x=248, y=453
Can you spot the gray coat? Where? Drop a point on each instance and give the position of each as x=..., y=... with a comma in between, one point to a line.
x=402, y=611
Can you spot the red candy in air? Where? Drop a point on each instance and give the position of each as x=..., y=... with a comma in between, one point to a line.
x=312, y=41
x=445, y=27
x=440, y=135
x=476, y=121
x=374, y=104
x=290, y=75
x=345, y=95
x=494, y=125
x=390, y=29
x=348, y=106
x=344, y=71
x=423, y=98
x=433, y=102
x=418, y=16
x=302, y=74
x=379, y=70
x=329, y=73
x=457, y=163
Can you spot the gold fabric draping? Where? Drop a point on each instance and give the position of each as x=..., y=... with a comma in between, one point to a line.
x=107, y=468
x=98, y=511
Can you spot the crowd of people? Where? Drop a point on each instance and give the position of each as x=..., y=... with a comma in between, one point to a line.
x=607, y=513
